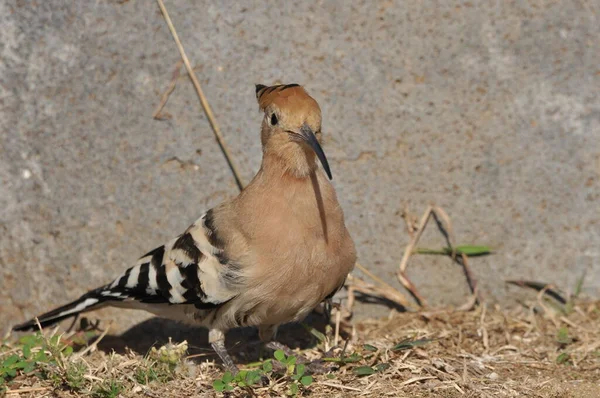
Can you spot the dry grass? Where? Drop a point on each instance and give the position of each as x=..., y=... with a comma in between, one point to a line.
x=529, y=351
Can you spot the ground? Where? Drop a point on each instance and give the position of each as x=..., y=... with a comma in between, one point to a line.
x=536, y=350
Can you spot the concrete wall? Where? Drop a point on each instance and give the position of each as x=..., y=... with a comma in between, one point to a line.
x=488, y=109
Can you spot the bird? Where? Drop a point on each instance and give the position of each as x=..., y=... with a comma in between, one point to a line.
x=266, y=257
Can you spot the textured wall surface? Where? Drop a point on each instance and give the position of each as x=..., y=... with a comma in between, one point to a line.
x=488, y=109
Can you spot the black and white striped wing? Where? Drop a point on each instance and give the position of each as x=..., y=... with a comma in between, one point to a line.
x=191, y=269
x=187, y=270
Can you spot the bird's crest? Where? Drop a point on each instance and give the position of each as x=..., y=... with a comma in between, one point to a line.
x=280, y=95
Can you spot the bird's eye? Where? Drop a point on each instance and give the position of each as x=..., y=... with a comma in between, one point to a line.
x=273, y=119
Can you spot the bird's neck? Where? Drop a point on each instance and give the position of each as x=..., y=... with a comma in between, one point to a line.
x=288, y=161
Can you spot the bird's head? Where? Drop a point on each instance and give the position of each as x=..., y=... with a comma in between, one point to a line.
x=291, y=127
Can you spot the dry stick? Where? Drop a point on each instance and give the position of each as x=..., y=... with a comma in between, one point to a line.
x=463, y=261
x=94, y=345
x=205, y=105
x=398, y=297
x=447, y=230
x=540, y=300
x=358, y=285
x=340, y=386
x=26, y=389
x=338, y=319
x=470, y=278
x=411, y=245
x=402, y=277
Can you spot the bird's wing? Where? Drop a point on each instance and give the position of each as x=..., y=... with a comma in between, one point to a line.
x=190, y=269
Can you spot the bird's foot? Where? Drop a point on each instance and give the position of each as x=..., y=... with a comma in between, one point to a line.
x=219, y=347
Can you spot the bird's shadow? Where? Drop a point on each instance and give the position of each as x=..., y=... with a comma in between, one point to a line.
x=243, y=344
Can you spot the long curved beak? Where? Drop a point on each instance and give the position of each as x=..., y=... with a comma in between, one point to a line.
x=308, y=135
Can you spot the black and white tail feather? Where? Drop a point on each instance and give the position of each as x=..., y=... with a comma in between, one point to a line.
x=190, y=271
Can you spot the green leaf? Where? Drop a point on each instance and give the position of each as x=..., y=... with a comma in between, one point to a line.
x=300, y=369
x=382, y=367
x=20, y=365
x=363, y=371
x=279, y=355
x=54, y=340
x=10, y=360
x=26, y=351
x=407, y=344
x=294, y=389
x=228, y=387
x=241, y=384
x=29, y=340
x=470, y=250
x=354, y=357
x=291, y=360
x=320, y=336
x=252, y=377
x=227, y=377
x=218, y=385
x=29, y=368
x=268, y=366
x=41, y=356
x=369, y=347
x=241, y=375
x=68, y=351
x=306, y=380
x=563, y=359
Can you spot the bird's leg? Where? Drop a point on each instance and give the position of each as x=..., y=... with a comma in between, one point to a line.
x=216, y=338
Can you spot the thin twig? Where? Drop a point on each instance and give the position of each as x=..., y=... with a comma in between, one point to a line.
x=26, y=389
x=415, y=239
x=415, y=379
x=205, y=105
x=398, y=296
x=338, y=320
x=343, y=387
x=447, y=229
x=95, y=343
x=358, y=285
x=407, y=283
x=401, y=274
x=470, y=277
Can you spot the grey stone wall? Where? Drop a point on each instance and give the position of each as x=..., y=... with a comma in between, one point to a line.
x=488, y=109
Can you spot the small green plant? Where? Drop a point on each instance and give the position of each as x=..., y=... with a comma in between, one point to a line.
x=109, y=389
x=563, y=359
x=150, y=371
x=562, y=337
x=74, y=376
x=34, y=352
x=245, y=378
x=292, y=371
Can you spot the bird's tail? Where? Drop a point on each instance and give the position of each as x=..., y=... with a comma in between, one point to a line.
x=88, y=302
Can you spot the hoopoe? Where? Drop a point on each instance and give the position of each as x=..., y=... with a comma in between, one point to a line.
x=267, y=257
